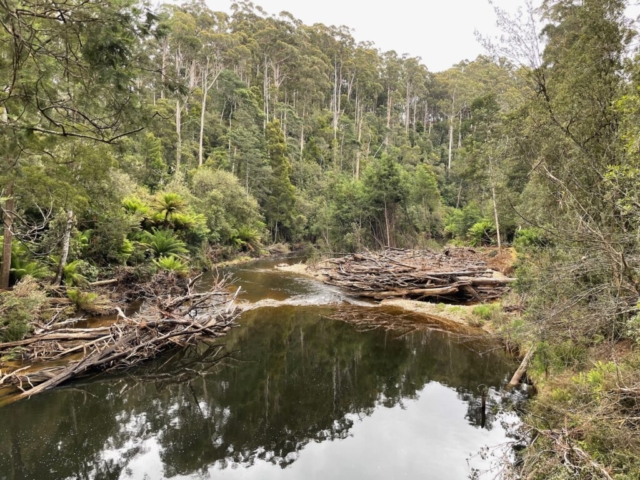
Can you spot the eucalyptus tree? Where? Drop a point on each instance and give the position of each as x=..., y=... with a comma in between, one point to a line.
x=69, y=71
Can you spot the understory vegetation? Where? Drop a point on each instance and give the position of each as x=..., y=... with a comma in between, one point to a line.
x=172, y=138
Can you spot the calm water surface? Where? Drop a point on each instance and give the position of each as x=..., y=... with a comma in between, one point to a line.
x=292, y=395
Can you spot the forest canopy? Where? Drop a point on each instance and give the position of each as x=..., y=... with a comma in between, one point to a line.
x=257, y=127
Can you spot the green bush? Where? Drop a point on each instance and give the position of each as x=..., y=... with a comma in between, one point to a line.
x=135, y=206
x=21, y=269
x=89, y=302
x=481, y=233
x=459, y=221
x=163, y=243
x=172, y=264
x=18, y=308
x=486, y=312
x=73, y=275
x=559, y=356
x=531, y=237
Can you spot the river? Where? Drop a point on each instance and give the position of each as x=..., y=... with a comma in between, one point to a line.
x=292, y=394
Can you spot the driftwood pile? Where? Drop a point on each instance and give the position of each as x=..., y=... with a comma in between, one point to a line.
x=456, y=274
x=166, y=322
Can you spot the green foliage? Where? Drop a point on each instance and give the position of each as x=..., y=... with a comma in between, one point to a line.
x=22, y=265
x=135, y=206
x=486, y=312
x=172, y=264
x=73, y=273
x=21, y=269
x=531, y=238
x=225, y=205
x=458, y=221
x=246, y=237
x=280, y=209
x=554, y=356
x=169, y=204
x=19, y=308
x=89, y=302
x=481, y=233
x=595, y=378
x=163, y=243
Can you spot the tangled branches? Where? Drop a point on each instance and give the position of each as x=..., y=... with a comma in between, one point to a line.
x=170, y=321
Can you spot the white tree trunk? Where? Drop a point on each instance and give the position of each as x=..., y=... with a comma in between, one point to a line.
x=8, y=238
x=495, y=205
x=205, y=91
x=66, y=240
x=450, y=144
x=389, y=106
x=179, y=133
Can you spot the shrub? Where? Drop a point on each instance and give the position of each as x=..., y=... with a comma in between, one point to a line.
x=172, y=264
x=89, y=302
x=135, y=206
x=246, y=237
x=163, y=243
x=486, y=312
x=72, y=273
x=531, y=237
x=459, y=221
x=481, y=233
x=169, y=204
x=21, y=269
x=18, y=308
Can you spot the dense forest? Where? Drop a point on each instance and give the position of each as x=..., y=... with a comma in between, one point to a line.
x=174, y=137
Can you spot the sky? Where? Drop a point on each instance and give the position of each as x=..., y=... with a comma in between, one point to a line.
x=441, y=32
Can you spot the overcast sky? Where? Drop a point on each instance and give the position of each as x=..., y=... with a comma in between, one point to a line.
x=439, y=31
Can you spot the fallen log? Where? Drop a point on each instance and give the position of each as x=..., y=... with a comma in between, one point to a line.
x=103, y=283
x=515, y=380
x=479, y=281
x=417, y=292
x=458, y=273
x=50, y=338
x=128, y=341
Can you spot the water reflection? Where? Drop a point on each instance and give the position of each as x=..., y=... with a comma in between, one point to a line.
x=301, y=397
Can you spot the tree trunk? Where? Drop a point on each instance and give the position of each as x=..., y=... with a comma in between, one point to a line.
x=302, y=140
x=266, y=93
x=450, y=144
x=389, y=105
x=336, y=94
x=179, y=132
x=164, y=66
x=66, y=240
x=9, y=206
x=407, y=109
x=386, y=221
x=495, y=205
x=205, y=91
x=206, y=87
x=451, y=120
x=415, y=116
x=246, y=173
x=359, y=152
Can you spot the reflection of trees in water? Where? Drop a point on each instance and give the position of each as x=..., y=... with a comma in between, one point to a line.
x=296, y=379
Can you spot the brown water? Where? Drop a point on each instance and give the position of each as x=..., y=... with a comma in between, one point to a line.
x=292, y=395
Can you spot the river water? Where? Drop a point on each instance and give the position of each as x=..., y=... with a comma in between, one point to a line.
x=291, y=395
